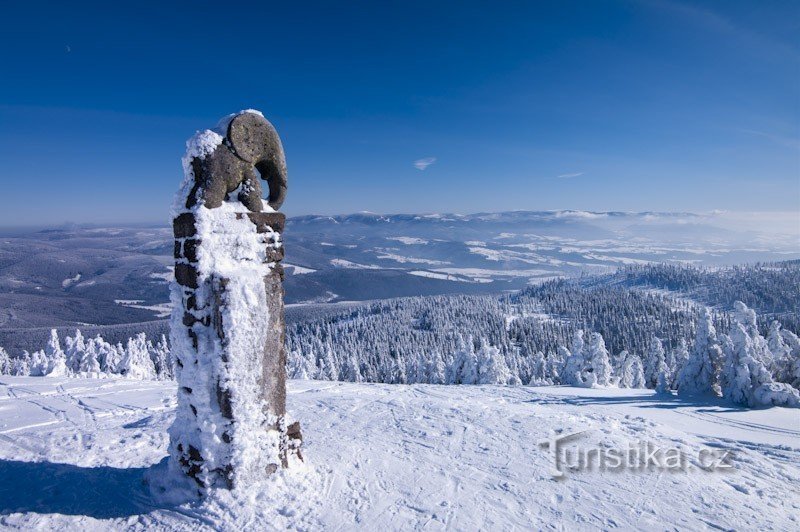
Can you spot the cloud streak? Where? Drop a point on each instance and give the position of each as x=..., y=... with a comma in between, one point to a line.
x=567, y=176
x=422, y=164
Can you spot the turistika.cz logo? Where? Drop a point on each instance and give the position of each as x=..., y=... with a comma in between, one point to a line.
x=638, y=455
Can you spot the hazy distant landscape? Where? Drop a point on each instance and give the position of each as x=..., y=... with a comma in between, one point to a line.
x=84, y=275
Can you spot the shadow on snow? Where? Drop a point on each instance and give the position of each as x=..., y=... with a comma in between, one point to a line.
x=100, y=492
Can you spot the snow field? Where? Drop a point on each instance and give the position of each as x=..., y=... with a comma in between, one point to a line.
x=73, y=453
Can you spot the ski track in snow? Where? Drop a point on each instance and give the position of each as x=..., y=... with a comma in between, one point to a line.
x=74, y=453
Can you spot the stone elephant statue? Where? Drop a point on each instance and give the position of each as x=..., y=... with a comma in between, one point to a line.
x=251, y=149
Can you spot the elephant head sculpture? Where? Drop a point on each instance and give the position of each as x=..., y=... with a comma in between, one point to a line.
x=251, y=149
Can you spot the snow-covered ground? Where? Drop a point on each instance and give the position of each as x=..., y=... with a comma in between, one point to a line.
x=74, y=452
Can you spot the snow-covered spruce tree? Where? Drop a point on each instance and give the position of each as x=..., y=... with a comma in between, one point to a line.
x=575, y=365
x=664, y=380
x=793, y=364
x=699, y=375
x=676, y=362
x=622, y=379
x=617, y=364
x=539, y=370
x=89, y=365
x=516, y=366
x=597, y=354
x=745, y=378
x=352, y=373
x=782, y=361
x=300, y=366
x=329, y=368
x=161, y=358
x=464, y=368
x=5, y=362
x=398, y=370
x=21, y=365
x=632, y=372
x=56, y=360
x=434, y=368
x=748, y=319
x=75, y=347
x=492, y=368
x=108, y=356
x=39, y=364
x=137, y=364
x=653, y=362
x=555, y=364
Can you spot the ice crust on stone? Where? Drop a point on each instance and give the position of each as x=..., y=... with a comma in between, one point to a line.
x=218, y=373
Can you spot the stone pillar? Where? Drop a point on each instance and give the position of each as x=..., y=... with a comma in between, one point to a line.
x=228, y=329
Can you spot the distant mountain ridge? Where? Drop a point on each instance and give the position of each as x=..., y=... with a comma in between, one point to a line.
x=78, y=274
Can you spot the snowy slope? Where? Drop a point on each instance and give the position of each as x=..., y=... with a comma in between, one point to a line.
x=73, y=454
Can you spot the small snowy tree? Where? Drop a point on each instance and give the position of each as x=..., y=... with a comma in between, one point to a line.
x=793, y=364
x=748, y=319
x=698, y=375
x=464, y=369
x=599, y=360
x=746, y=380
x=653, y=362
x=137, y=364
x=632, y=371
x=539, y=370
x=329, y=370
x=677, y=361
x=492, y=367
x=352, y=373
x=21, y=365
x=555, y=364
x=782, y=363
x=434, y=369
x=575, y=368
x=56, y=360
x=108, y=356
x=89, y=364
x=5, y=362
x=39, y=364
x=75, y=348
x=664, y=380
x=300, y=366
x=162, y=359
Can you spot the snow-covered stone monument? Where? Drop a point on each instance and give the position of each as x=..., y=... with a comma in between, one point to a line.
x=227, y=329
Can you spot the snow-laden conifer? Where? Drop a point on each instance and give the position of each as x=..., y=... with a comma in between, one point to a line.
x=653, y=362
x=5, y=362
x=598, y=358
x=136, y=363
x=75, y=346
x=698, y=375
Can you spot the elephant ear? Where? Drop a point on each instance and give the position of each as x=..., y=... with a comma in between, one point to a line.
x=252, y=137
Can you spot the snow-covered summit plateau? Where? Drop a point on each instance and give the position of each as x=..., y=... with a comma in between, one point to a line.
x=74, y=453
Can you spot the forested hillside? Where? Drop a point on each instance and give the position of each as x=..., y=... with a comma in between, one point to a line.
x=635, y=328
x=770, y=288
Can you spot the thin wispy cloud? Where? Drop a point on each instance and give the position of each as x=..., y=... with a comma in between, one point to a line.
x=567, y=176
x=422, y=164
x=781, y=140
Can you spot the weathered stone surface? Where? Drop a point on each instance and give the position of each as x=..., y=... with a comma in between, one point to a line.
x=268, y=221
x=252, y=149
x=186, y=275
x=190, y=249
x=274, y=358
x=183, y=226
x=275, y=254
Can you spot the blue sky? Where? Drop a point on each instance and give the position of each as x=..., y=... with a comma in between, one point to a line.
x=625, y=105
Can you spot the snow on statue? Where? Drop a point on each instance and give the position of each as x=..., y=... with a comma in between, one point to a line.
x=227, y=326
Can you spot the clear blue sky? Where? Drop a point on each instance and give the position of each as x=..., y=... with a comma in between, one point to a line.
x=637, y=105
